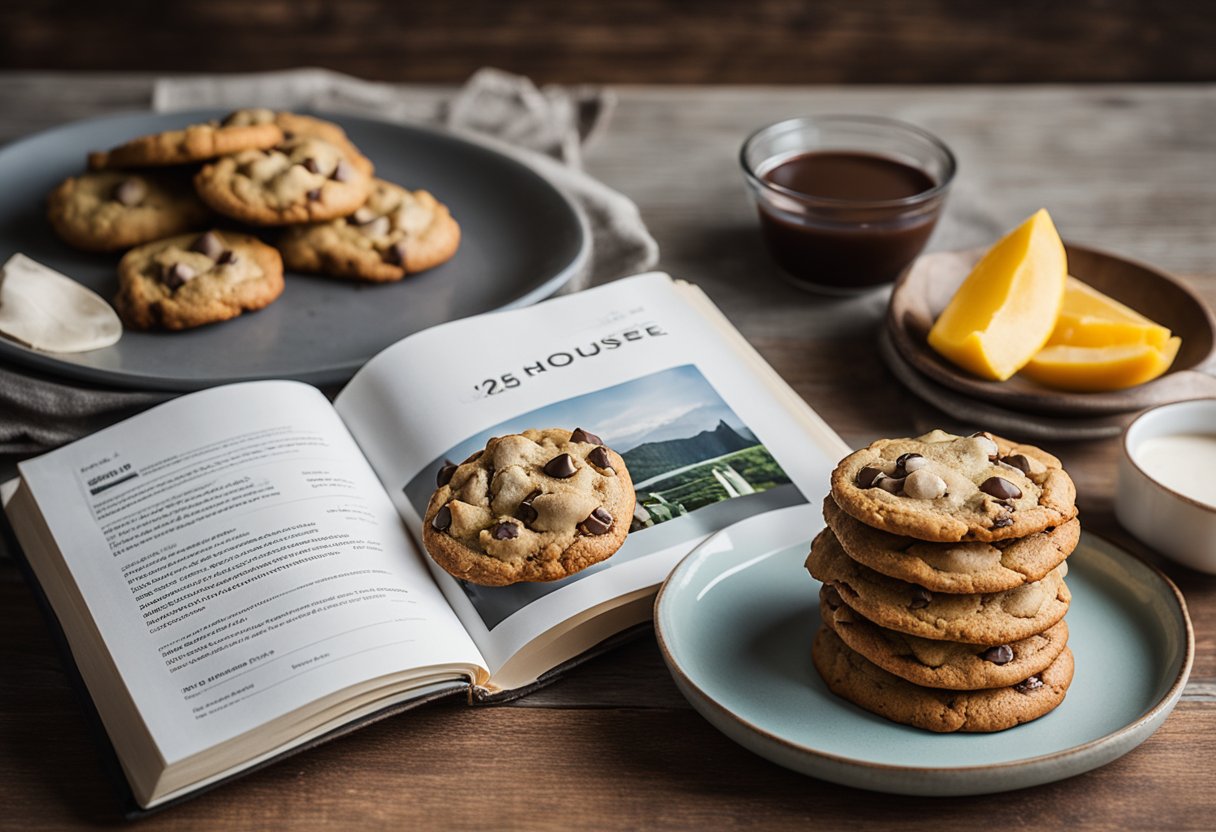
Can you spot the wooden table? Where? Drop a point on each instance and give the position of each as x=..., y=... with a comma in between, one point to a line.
x=613, y=744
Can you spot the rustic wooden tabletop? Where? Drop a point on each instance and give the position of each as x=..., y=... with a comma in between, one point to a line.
x=613, y=744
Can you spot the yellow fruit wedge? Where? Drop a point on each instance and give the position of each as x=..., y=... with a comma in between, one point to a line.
x=1007, y=307
x=1098, y=369
x=1089, y=318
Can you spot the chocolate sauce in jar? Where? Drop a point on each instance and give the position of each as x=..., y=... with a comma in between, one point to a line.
x=830, y=220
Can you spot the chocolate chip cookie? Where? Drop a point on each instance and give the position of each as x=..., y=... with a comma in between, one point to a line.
x=536, y=506
x=303, y=179
x=296, y=124
x=942, y=664
x=964, y=567
x=195, y=279
x=865, y=684
x=195, y=143
x=990, y=619
x=114, y=210
x=947, y=488
x=394, y=233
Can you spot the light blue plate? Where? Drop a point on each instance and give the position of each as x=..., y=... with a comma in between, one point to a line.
x=736, y=618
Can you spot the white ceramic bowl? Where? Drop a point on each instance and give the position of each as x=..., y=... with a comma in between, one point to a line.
x=1179, y=526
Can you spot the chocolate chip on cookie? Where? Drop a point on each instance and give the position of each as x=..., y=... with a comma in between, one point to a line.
x=442, y=519
x=445, y=473
x=396, y=254
x=866, y=476
x=176, y=275
x=561, y=467
x=921, y=598
x=580, y=435
x=209, y=245
x=526, y=512
x=130, y=192
x=505, y=531
x=530, y=507
x=999, y=655
x=342, y=172
x=1000, y=488
x=600, y=458
x=597, y=523
x=1031, y=683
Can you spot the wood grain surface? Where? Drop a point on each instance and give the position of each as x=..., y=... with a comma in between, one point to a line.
x=629, y=41
x=613, y=745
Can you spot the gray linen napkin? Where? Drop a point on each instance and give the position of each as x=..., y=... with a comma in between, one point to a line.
x=542, y=128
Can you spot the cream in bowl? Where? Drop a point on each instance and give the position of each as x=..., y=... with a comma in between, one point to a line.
x=1165, y=495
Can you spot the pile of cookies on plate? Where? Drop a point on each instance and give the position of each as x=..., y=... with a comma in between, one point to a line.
x=943, y=595
x=293, y=190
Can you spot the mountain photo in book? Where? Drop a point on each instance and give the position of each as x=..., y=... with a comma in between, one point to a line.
x=696, y=467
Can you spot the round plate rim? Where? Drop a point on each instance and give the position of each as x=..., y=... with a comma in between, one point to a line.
x=1160, y=708
x=1035, y=426
x=330, y=374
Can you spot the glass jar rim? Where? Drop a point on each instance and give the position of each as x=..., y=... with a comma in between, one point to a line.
x=951, y=164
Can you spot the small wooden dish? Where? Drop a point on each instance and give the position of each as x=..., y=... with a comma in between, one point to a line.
x=966, y=414
x=921, y=295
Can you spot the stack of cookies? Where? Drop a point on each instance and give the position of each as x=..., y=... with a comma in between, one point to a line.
x=298, y=183
x=943, y=596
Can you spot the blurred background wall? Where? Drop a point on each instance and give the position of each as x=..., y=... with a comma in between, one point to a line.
x=630, y=41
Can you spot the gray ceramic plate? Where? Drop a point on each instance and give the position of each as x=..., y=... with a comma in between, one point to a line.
x=522, y=240
x=735, y=622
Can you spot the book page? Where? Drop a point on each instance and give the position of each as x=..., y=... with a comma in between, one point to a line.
x=240, y=561
x=706, y=438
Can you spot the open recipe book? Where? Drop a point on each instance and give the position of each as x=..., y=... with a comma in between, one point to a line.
x=238, y=572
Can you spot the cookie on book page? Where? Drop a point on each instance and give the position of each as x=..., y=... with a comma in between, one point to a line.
x=534, y=506
x=942, y=664
x=964, y=567
x=948, y=488
x=394, y=233
x=851, y=676
x=194, y=279
x=991, y=619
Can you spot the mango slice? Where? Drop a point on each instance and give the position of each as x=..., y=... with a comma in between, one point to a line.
x=1098, y=369
x=1007, y=307
x=1089, y=318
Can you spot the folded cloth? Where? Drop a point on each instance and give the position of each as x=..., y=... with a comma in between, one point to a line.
x=39, y=413
x=545, y=129
x=542, y=128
